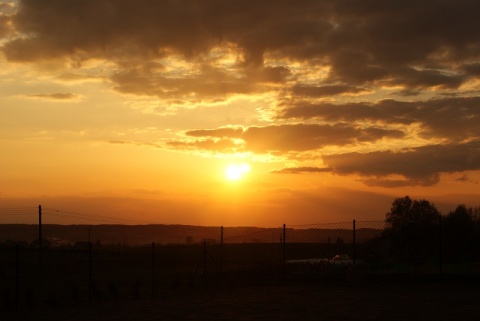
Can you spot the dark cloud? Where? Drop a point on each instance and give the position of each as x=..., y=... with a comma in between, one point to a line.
x=451, y=118
x=212, y=145
x=413, y=78
x=407, y=92
x=270, y=75
x=57, y=96
x=327, y=90
x=6, y=9
x=302, y=137
x=232, y=132
x=383, y=35
x=4, y=26
x=465, y=178
x=301, y=170
x=473, y=69
x=208, y=83
x=108, y=28
x=398, y=43
x=351, y=112
x=393, y=183
x=293, y=137
x=418, y=166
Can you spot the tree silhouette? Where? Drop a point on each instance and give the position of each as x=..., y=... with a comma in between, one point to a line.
x=405, y=212
x=460, y=234
x=413, y=225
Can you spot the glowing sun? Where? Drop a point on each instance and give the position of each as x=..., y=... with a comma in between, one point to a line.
x=236, y=171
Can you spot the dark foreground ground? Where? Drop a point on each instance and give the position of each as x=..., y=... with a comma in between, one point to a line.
x=412, y=301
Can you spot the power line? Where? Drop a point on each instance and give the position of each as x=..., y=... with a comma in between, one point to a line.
x=90, y=217
x=17, y=209
x=26, y=211
x=4, y=211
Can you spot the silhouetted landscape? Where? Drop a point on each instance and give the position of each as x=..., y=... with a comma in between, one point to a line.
x=239, y=160
x=91, y=266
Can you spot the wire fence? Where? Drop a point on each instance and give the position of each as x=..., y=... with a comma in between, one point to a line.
x=38, y=270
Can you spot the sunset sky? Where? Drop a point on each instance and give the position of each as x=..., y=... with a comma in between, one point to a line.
x=325, y=110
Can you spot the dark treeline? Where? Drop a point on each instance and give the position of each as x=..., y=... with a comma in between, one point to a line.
x=418, y=230
x=114, y=234
x=138, y=235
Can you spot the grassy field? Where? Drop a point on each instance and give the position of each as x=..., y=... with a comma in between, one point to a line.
x=71, y=283
x=291, y=301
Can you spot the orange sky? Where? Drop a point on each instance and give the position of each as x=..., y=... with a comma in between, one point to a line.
x=133, y=110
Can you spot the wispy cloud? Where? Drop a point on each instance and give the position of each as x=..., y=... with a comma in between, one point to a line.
x=57, y=97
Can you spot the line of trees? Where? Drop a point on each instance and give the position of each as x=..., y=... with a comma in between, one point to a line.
x=418, y=229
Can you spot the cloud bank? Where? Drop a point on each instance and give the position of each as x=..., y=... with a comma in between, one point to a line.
x=372, y=88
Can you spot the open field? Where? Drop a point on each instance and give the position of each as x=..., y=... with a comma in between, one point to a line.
x=424, y=301
x=236, y=281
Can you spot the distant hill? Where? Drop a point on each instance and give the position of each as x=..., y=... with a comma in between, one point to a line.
x=60, y=235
